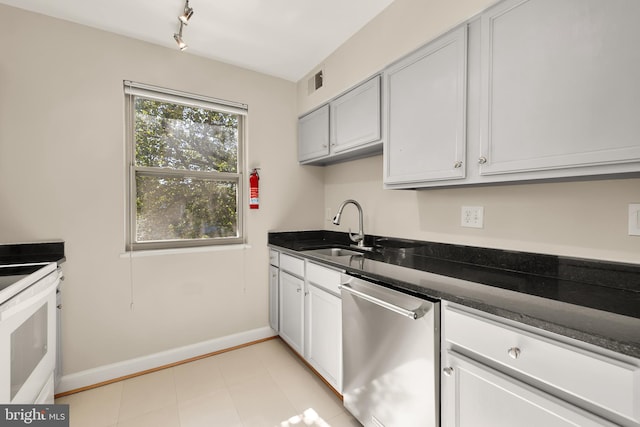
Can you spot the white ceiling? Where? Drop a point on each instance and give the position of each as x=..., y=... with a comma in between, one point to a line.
x=283, y=38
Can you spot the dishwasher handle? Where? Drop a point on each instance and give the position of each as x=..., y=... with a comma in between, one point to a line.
x=412, y=314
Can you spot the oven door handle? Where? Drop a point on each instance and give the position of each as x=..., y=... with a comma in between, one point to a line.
x=40, y=295
x=412, y=314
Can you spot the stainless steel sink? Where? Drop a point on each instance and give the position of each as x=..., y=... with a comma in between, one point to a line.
x=334, y=252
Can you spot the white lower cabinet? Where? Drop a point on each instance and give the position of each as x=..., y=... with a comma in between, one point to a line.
x=499, y=373
x=292, y=311
x=310, y=314
x=476, y=395
x=324, y=334
x=274, y=289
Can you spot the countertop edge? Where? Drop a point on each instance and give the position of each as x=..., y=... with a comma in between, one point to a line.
x=596, y=327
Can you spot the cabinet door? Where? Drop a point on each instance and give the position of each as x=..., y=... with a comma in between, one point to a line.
x=559, y=85
x=355, y=117
x=425, y=110
x=292, y=310
x=313, y=134
x=324, y=335
x=475, y=395
x=273, y=297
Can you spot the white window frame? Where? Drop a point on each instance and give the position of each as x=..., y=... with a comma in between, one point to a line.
x=132, y=90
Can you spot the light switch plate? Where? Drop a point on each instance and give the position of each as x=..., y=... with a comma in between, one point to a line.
x=634, y=219
x=472, y=216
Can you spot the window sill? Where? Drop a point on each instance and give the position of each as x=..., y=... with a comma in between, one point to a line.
x=180, y=251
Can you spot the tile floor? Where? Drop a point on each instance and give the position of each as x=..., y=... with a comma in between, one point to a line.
x=261, y=385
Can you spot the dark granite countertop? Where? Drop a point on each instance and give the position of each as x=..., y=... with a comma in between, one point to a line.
x=22, y=253
x=592, y=301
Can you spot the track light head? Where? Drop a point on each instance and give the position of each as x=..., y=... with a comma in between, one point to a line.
x=178, y=38
x=184, y=18
x=181, y=44
x=187, y=14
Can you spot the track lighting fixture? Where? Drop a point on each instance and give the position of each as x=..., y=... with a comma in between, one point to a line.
x=186, y=15
x=184, y=19
x=178, y=38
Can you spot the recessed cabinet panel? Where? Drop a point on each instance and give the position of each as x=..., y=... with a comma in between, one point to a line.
x=610, y=383
x=323, y=277
x=274, y=257
x=425, y=113
x=559, y=85
x=274, y=285
x=313, y=134
x=537, y=377
x=475, y=395
x=355, y=117
x=292, y=311
x=324, y=334
x=292, y=265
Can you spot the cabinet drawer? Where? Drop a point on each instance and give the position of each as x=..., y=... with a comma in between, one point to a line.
x=603, y=381
x=291, y=264
x=324, y=277
x=274, y=257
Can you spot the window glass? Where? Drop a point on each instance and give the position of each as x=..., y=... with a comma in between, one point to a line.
x=183, y=137
x=176, y=208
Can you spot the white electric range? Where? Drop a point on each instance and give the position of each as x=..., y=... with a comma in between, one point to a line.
x=28, y=332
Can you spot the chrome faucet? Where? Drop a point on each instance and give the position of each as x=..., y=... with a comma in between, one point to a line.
x=356, y=238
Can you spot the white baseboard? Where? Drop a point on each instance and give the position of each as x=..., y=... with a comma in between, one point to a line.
x=133, y=366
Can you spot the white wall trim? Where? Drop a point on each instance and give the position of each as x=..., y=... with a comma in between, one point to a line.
x=132, y=366
x=180, y=251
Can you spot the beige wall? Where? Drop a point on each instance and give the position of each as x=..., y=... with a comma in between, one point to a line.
x=584, y=219
x=62, y=175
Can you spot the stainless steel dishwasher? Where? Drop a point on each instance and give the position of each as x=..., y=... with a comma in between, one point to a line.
x=391, y=347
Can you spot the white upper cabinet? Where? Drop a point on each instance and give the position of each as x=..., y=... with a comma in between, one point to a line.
x=313, y=134
x=526, y=90
x=349, y=126
x=559, y=87
x=355, y=117
x=425, y=113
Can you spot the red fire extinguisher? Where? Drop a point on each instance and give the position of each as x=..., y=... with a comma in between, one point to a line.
x=254, y=197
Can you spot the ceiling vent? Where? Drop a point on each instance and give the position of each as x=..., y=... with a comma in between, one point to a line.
x=315, y=82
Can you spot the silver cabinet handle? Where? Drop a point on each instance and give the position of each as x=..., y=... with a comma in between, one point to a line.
x=448, y=371
x=458, y=164
x=384, y=304
x=482, y=160
x=298, y=290
x=514, y=352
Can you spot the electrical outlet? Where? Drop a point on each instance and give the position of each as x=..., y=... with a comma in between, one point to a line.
x=472, y=216
x=634, y=219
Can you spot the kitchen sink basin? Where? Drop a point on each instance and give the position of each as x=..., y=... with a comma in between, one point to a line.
x=334, y=252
